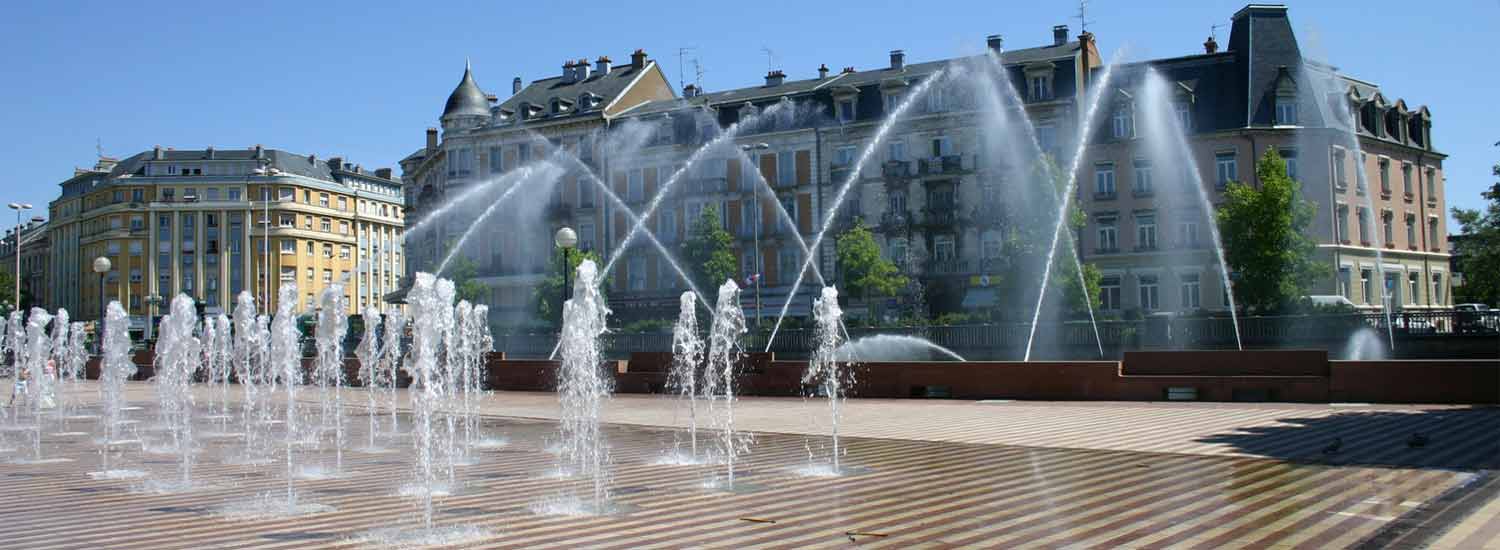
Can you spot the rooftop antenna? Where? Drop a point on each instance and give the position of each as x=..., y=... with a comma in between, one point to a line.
x=681, y=56
x=697, y=74
x=1213, y=31
x=1083, y=20
x=770, y=58
x=99, y=147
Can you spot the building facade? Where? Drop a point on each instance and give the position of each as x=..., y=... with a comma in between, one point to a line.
x=210, y=223
x=939, y=196
x=35, y=250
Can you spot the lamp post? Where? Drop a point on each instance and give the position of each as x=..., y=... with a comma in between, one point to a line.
x=20, y=209
x=265, y=240
x=151, y=302
x=758, y=275
x=101, y=266
x=565, y=239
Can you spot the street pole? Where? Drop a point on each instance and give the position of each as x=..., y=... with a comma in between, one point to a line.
x=20, y=209
x=566, y=239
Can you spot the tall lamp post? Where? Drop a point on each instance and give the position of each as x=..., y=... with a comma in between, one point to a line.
x=20, y=209
x=565, y=239
x=101, y=266
x=268, y=193
x=758, y=275
x=151, y=302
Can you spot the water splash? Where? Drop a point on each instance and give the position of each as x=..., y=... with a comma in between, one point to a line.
x=583, y=388
x=725, y=356
x=687, y=358
x=285, y=357
x=549, y=174
x=178, y=357
x=333, y=324
x=369, y=372
x=115, y=368
x=826, y=369
x=1365, y=345
x=891, y=347
x=427, y=308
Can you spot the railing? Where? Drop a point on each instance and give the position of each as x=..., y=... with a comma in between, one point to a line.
x=893, y=218
x=949, y=266
x=946, y=164
x=940, y=215
x=896, y=169
x=1076, y=338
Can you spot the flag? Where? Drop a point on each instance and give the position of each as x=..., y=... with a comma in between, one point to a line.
x=752, y=279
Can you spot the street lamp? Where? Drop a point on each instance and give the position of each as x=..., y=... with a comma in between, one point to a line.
x=151, y=302
x=20, y=209
x=265, y=222
x=101, y=266
x=758, y=275
x=565, y=239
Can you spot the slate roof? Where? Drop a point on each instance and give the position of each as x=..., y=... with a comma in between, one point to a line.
x=540, y=93
x=467, y=99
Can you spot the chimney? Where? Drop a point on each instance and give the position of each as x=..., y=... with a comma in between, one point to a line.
x=898, y=60
x=383, y=173
x=601, y=65
x=995, y=43
x=156, y=153
x=690, y=91
x=774, y=78
x=208, y=153
x=515, y=86
x=312, y=159
x=1210, y=45
x=567, y=75
x=638, y=59
x=848, y=70
x=260, y=152
x=1059, y=35
x=822, y=71
x=431, y=140
x=583, y=69
x=335, y=163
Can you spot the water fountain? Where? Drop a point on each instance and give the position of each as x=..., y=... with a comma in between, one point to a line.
x=223, y=350
x=582, y=389
x=78, y=354
x=876, y=141
x=333, y=324
x=61, y=363
x=285, y=357
x=1085, y=131
x=687, y=359
x=115, y=367
x=369, y=372
x=249, y=360
x=480, y=343
x=36, y=353
x=719, y=376
x=1364, y=345
x=826, y=369
x=390, y=361
x=178, y=357
x=545, y=171
x=427, y=308
x=892, y=347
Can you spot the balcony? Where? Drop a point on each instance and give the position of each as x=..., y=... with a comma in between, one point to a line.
x=948, y=266
x=896, y=170
x=943, y=165
x=839, y=174
x=1105, y=195
x=942, y=215
x=1107, y=250
x=895, y=219
x=1142, y=193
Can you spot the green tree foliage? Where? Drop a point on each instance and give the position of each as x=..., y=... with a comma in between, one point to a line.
x=709, y=250
x=462, y=274
x=8, y=293
x=1028, y=238
x=862, y=271
x=1264, y=233
x=1479, y=249
x=546, y=297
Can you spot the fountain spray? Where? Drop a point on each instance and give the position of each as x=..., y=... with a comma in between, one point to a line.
x=114, y=369
x=724, y=358
x=687, y=357
x=333, y=323
x=368, y=372
x=285, y=356
x=825, y=368
x=584, y=386
x=178, y=356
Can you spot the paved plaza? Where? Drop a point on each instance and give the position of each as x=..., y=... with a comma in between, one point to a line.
x=921, y=474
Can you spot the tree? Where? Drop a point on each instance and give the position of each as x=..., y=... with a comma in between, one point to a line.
x=1478, y=249
x=1264, y=233
x=8, y=293
x=709, y=249
x=1028, y=237
x=547, y=295
x=462, y=274
x=862, y=271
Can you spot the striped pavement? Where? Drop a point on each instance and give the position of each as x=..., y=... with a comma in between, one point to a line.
x=922, y=474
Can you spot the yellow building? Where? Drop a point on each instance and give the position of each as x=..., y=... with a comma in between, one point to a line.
x=209, y=223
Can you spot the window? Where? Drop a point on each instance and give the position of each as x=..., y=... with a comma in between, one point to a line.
x=635, y=186
x=288, y=273
x=1385, y=176
x=896, y=150
x=310, y=246
x=137, y=195
x=1191, y=291
x=307, y=222
x=287, y=220
x=1344, y=282
x=327, y=250
x=1341, y=224
x=786, y=168
x=136, y=248
x=1187, y=234
x=636, y=273
x=344, y=251
x=1361, y=174
x=523, y=152
x=788, y=261
x=666, y=225
x=1227, y=168
x=585, y=193
x=1040, y=87
x=1406, y=179
x=117, y=196
x=1413, y=287
x=1109, y=293
x=1142, y=177
x=1123, y=124
x=1046, y=136
x=1292, y=169
x=496, y=162
x=1364, y=226
x=937, y=100
x=326, y=225
x=1339, y=169
x=897, y=251
x=344, y=228
x=211, y=194
x=942, y=146
x=993, y=247
x=167, y=194
x=306, y=197
x=1150, y=294
x=843, y=157
x=1366, y=291
x=343, y=203
x=1432, y=232
x=309, y=274
x=1145, y=231
x=586, y=236
x=288, y=246
x=1437, y=290
x=112, y=248
x=1104, y=180
x=846, y=110
x=327, y=276
x=1411, y=230
x=892, y=101
x=1184, y=115
x=1286, y=110
x=944, y=248
x=235, y=194
x=1108, y=235
x=1431, y=185
x=1388, y=233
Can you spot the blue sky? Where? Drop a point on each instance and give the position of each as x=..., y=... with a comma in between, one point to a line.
x=363, y=80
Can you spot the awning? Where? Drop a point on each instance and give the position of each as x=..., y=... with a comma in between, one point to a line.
x=976, y=298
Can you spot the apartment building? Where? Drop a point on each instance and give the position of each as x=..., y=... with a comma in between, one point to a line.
x=212, y=222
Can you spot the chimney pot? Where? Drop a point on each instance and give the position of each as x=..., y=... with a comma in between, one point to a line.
x=208, y=153
x=774, y=78
x=638, y=59
x=156, y=152
x=432, y=140
x=383, y=173
x=898, y=60
x=995, y=42
x=567, y=73
x=582, y=66
x=260, y=152
x=689, y=91
x=848, y=69
x=515, y=86
x=1210, y=45
x=1059, y=35
x=601, y=65
x=822, y=71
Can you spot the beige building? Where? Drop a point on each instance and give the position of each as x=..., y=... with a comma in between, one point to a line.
x=209, y=223
x=35, y=251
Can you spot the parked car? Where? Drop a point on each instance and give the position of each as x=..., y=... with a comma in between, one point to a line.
x=1475, y=318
